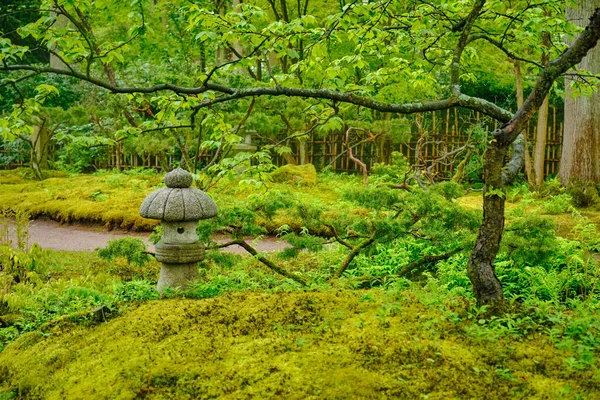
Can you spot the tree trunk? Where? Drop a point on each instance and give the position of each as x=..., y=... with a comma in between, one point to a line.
x=302, y=151
x=186, y=161
x=529, y=172
x=40, y=140
x=480, y=269
x=202, y=57
x=580, y=160
x=258, y=69
x=485, y=283
x=539, y=153
x=220, y=53
x=237, y=46
x=118, y=153
x=164, y=19
x=61, y=22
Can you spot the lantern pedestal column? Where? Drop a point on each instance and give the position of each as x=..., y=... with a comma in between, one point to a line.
x=179, y=264
x=176, y=276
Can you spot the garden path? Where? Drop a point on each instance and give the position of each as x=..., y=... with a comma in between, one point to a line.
x=50, y=234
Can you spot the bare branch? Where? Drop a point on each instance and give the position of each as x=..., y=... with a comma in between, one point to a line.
x=237, y=129
x=355, y=251
x=9, y=81
x=162, y=128
x=426, y=260
x=217, y=67
x=242, y=243
x=116, y=89
x=500, y=46
x=338, y=238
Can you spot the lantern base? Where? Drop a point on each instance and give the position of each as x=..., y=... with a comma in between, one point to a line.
x=184, y=253
x=176, y=276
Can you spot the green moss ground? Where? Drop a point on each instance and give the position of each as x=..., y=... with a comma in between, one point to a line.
x=563, y=222
x=333, y=345
x=296, y=174
x=243, y=332
x=108, y=199
x=113, y=199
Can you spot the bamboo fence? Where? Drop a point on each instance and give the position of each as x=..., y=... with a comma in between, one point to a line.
x=446, y=130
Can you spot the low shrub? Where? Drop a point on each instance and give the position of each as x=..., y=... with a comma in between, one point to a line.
x=584, y=194
x=558, y=204
x=133, y=250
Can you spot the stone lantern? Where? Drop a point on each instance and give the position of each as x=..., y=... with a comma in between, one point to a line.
x=179, y=208
x=245, y=147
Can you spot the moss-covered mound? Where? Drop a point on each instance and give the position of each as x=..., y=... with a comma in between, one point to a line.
x=111, y=199
x=114, y=199
x=300, y=174
x=289, y=346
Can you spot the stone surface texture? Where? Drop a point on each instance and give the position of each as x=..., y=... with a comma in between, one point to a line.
x=177, y=202
x=179, y=232
x=179, y=178
x=179, y=253
x=176, y=276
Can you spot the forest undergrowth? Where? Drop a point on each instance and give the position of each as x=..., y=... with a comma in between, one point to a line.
x=376, y=301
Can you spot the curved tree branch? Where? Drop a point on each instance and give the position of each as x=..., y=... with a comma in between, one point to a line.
x=501, y=47
x=462, y=43
x=242, y=243
x=572, y=56
x=116, y=89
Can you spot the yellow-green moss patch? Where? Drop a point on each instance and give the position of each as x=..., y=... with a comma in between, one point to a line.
x=113, y=199
x=107, y=199
x=289, y=346
x=300, y=174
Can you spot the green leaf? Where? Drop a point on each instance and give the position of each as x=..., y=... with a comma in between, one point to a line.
x=293, y=53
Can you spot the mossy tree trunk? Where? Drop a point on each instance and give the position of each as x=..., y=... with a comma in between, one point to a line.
x=486, y=287
x=529, y=172
x=539, y=153
x=40, y=141
x=302, y=151
x=485, y=283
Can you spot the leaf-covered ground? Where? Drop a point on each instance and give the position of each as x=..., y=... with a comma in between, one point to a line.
x=321, y=345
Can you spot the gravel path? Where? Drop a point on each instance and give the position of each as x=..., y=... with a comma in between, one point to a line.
x=87, y=237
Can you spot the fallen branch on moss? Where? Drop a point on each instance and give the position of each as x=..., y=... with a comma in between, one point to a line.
x=426, y=260
x=355, y=250
x=403, y=186
x=262, y=259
